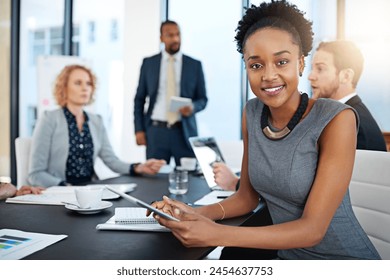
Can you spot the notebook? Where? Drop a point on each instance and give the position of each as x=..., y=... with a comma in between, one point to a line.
x=132, y=215
x=132, y=218
x=207, y=152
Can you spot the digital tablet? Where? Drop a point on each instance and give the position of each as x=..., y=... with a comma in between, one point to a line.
x=143, y=204
x=207, y=153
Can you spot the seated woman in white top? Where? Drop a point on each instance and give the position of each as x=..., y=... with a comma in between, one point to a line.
x=67, y=141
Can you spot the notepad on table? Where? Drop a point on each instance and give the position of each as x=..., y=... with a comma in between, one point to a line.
x=132, y=215
x=131, y=218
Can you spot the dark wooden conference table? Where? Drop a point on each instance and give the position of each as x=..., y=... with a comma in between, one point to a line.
x=85, y=242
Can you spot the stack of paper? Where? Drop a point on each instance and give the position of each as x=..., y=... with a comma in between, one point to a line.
x=56, y=195
x=213, y=197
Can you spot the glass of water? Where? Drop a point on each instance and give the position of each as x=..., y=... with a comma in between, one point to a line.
x=178, y=181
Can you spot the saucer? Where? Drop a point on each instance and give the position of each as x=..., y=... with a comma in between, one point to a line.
x=103, y=205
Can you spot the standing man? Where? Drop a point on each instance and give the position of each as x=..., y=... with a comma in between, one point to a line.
x=169, y=73
x=336, y=69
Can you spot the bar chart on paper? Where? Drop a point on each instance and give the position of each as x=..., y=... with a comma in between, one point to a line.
x=16, y=244
x=8, y=242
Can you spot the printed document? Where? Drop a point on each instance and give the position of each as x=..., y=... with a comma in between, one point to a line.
x=16, y=244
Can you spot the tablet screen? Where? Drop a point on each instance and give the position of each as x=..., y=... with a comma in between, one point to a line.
x=142, y=204
x=207, y=152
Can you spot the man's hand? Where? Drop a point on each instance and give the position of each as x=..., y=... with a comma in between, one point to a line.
x=186, y=111
x=140, y=138
x=224, y=177
x=151, y=166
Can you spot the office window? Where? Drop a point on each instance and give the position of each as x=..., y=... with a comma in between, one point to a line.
x=37, y=45
x=114, y=30
x=207, y=29
x=91, y=32
x=76, y=40
x=41, y=24
x=56, y=40
x=368, y=26
x=101, y=25
x=46, y=41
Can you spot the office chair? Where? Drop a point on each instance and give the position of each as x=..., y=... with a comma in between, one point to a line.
x=370, y=197
x=22, y=152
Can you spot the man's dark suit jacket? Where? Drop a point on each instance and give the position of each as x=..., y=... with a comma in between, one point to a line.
x=369, y=136
x=192, y=85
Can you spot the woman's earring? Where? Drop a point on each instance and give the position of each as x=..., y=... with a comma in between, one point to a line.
x=300, y=74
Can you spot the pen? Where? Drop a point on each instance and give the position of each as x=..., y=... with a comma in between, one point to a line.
x=222, y=196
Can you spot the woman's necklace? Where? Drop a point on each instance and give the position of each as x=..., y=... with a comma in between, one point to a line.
x=277, y=135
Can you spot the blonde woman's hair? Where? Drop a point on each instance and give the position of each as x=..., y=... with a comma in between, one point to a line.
x=62, y=80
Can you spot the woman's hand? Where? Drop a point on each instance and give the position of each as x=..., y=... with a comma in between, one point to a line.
x=164, y=205
x=193, y=230
x=29, y=190
x=151, y=166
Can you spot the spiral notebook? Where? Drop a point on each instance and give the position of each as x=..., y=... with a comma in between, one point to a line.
x=131, y=218
x=132, y=215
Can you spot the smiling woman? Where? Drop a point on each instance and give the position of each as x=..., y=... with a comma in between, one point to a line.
x=303, y=176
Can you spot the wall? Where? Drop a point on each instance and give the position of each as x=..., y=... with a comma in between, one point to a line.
x=5, y=29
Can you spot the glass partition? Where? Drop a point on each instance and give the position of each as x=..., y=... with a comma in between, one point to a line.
x=368, y=26
x=98, y=38
x=208, y=30
x=41, y=34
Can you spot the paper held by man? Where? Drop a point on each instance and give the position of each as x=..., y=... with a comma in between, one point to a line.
x=178, y=102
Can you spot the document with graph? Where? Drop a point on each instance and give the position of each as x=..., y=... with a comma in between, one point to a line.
x=17, y=244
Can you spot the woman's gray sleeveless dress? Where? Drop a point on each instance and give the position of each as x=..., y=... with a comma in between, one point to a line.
x=283, y=171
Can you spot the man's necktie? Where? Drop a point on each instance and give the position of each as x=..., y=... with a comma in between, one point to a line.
x=172, y=117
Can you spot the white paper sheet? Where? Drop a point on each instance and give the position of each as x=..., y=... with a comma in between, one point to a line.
x=213, y=197
x=178, y=102
x=57, y=194
x=16, y=244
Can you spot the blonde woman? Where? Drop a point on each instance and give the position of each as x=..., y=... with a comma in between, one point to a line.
x=67, y=141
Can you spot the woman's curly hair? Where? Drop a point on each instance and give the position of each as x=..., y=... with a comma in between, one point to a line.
x=62, y=82
x=276, y=14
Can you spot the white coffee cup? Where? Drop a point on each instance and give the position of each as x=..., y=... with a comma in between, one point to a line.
x=188, y=163
x=89, y=197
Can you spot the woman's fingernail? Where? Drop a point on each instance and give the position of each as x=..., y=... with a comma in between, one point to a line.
x=177, y=211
